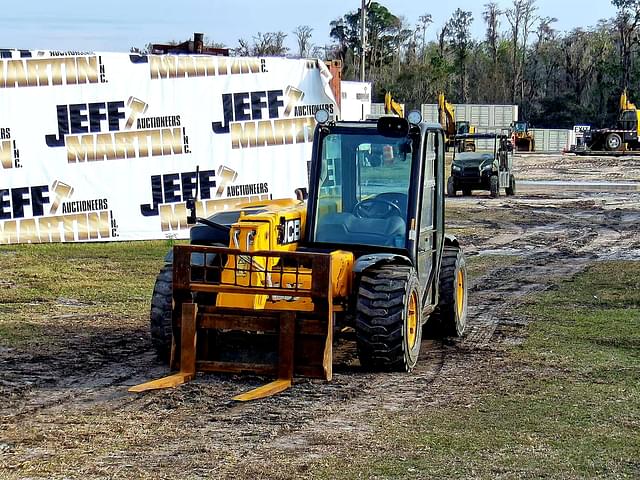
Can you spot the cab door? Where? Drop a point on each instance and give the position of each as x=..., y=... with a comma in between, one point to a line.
x=431, y=221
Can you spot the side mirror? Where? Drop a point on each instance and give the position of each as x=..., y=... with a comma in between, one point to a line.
x=301, y=193
x=191, y=207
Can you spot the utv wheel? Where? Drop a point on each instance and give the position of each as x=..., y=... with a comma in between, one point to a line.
x=160, y=317
x=613, y=142
x=389, y=318
x=494, y=186
x=450, y=316
x=511, y=189
x=451, y=187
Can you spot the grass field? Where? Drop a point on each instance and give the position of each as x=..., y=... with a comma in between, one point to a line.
x=45, y=285
x=565, y=404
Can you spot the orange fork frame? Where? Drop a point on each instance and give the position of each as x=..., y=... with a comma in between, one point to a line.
x=305, y=336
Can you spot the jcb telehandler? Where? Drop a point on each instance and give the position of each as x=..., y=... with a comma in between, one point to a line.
x=366, y=253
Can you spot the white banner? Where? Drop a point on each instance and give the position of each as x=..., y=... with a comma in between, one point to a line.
x=104, y=146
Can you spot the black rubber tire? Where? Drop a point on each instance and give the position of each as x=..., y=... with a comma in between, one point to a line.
x=613, y=142
x=451, y=187
x=494, y=186
x=448, y=319
x=160, y=315
x=511, y=189
x=381, y=318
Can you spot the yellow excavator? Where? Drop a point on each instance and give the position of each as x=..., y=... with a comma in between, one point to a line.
x=447, y=118
x=267, y=287
x=391, y=107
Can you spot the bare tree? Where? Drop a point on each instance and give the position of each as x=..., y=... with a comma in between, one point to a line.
x=269, y=44
x=303, y=37
x=243, y=49
x=545, y=34
x=491, y=16
x=442, y=36
x=521, y=18
x=627, y=21
x=425, y=21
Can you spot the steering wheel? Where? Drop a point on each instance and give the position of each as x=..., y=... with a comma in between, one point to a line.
x=366, y=208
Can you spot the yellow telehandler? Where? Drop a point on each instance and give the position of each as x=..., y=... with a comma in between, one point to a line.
x=365, y=252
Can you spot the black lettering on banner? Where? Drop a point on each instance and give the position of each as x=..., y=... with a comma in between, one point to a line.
x=19, y=201
x=96, y=116
x=115, y=113
x=275, y=100
x=171, y=187
x=188, y=181
x=245, y=106
x=151, y=210
x=5, y=204
x=81, y=118
x=178, y=187
x=13, y=201
x=63, y=128
x=257, y=104
x=241, y=106
x=77, y=118
x=207, y=183
x=227, y=111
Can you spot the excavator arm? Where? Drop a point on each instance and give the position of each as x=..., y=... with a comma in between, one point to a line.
x=391, y=107
x=446, y=115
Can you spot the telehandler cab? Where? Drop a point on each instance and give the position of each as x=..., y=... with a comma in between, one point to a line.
x=366, y=252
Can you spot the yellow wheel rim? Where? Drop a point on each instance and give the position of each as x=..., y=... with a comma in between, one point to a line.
x=412, y=320
x=460, y=293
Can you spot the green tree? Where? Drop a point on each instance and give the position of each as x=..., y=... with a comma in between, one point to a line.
x=459, y=36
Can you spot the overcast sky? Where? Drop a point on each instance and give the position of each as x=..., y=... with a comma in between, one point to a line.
x=116, y=25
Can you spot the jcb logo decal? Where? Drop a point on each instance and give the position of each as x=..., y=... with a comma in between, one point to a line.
x=289, y=231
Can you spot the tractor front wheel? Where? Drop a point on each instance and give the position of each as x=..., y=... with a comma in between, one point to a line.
x=511, y=189
x=389, y=318
x=451, y=187
x=160, y=316
x=494, y=186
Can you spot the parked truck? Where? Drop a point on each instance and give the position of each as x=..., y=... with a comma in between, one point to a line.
x=621, y=138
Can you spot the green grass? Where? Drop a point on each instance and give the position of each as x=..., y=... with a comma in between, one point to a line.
x=566, y=404
x=46, y=287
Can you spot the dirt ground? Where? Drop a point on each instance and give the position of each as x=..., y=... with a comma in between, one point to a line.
x=70, y=416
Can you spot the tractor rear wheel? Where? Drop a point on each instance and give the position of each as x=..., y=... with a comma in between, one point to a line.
x=389, y=318
x=451, y=187
x=511, y=189
x=494, y=186
x=160, y=316
x=450, y=316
